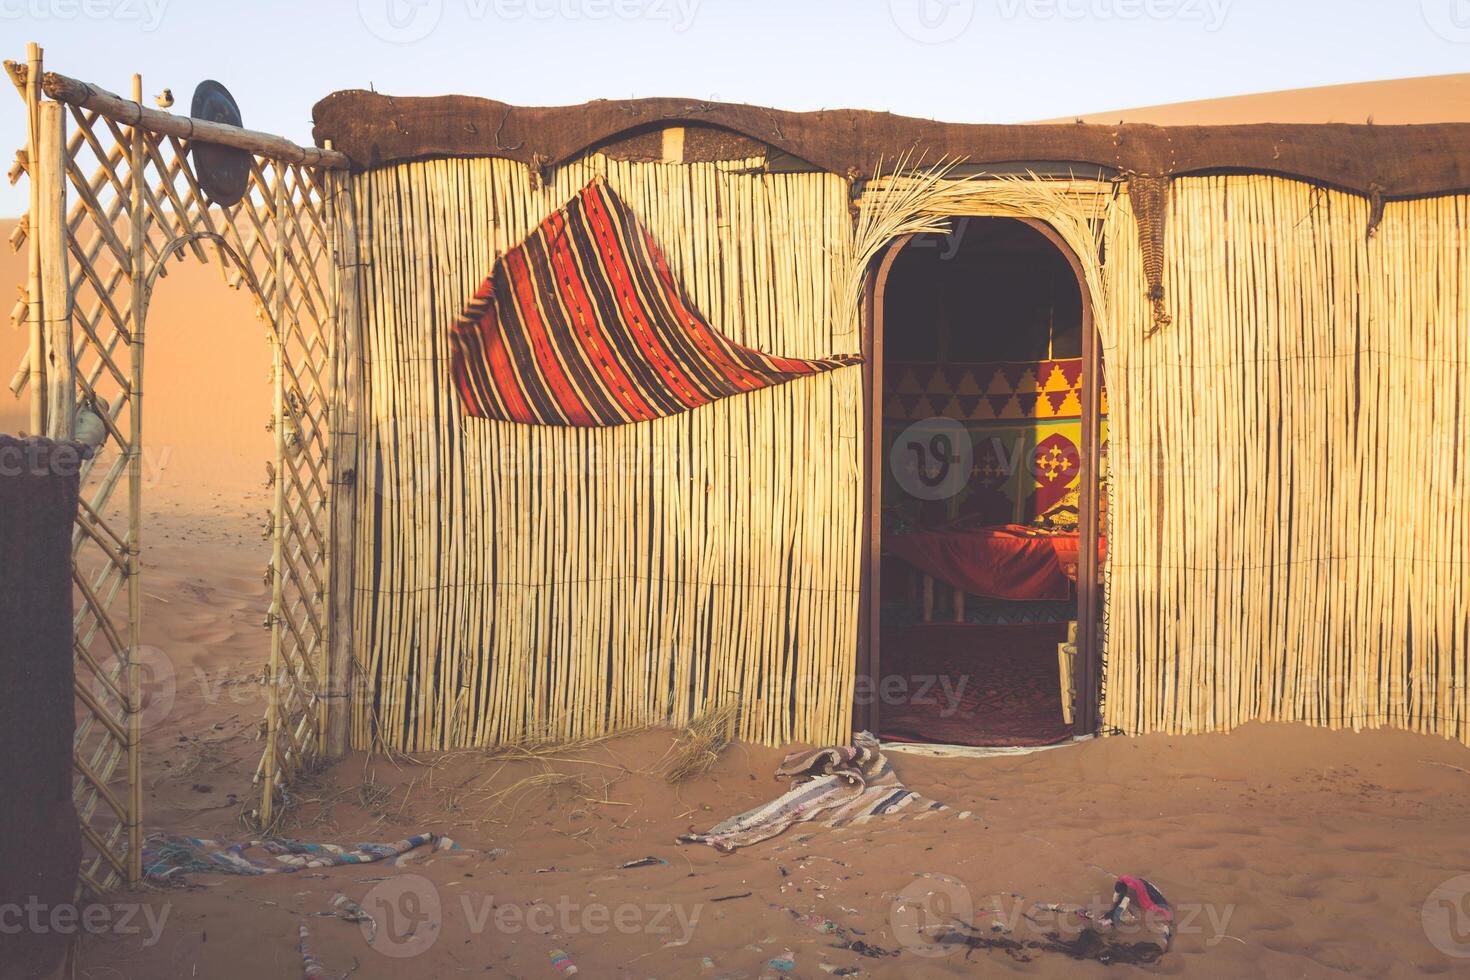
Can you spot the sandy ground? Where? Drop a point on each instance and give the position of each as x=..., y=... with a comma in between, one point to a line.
x=1289, y=852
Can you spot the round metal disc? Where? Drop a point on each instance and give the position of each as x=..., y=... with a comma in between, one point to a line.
x=223, y=171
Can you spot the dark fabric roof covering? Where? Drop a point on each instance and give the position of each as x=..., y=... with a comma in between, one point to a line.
x=1383, y=161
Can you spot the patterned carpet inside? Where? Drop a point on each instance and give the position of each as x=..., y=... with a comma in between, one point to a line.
x=972, y=685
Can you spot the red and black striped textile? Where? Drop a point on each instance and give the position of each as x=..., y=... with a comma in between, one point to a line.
x=582, y=324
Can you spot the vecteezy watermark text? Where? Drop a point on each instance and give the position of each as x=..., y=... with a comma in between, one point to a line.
x=891, y=690
x=35, y=457
x=1210, y=14
x=408, y=915
x=928, y=914
x=407, y=21
x=95, y=918
x=938, y=21
x=147, y=14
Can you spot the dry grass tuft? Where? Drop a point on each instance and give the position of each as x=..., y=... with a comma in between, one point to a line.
x=541, y=781
x=699, y=744
x=370, y=796
x=533, y=746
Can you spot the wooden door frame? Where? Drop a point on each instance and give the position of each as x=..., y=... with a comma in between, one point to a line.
x=866, y=705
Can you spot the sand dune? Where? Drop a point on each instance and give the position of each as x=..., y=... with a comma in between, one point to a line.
x=207, y=394
x=13, y=413
x=1435, y=98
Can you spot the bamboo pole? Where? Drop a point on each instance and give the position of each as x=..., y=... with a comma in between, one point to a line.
x=134, y=113
x=137, y=223
x=277, y=314
x=49, y=230
x=36, y=315
x=345, y=355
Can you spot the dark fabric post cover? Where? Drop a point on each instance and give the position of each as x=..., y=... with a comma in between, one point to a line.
x=40, y=841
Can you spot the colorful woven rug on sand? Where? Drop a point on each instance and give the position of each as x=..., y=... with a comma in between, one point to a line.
x=166, y=857
x=582, y=324
x=839, y=785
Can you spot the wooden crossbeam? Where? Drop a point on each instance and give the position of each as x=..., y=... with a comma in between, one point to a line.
x=132, y=113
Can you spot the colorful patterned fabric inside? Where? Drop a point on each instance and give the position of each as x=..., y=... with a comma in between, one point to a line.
x=1023, y=419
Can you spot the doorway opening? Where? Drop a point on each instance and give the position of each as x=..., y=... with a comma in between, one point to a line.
x=987, y=415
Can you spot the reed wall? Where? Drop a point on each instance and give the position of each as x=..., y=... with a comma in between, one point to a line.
x=1290, y=463
x=518, y=581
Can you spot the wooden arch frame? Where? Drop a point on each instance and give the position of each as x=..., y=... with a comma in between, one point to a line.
x=114, y=197
x=1087, y=677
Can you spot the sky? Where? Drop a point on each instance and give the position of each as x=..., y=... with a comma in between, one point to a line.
x=958, y=60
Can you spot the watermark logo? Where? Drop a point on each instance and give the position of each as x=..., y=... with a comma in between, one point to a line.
x=406, y=916
x=566, y=917
x=932, y=21
x=932, y=459
x=157, y=685
x=924, y=914
x=400, y=21
x=38, y=458
x=395, y=479
x=1450, y=19
x=1445, y=916
x=935, y=916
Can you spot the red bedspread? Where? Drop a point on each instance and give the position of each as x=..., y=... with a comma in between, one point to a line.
x=1006, y=562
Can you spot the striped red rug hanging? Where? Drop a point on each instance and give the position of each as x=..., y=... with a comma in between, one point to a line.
x=583, y=324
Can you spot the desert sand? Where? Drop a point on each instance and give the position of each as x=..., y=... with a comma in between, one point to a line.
x=206, y=382
x=1288, y=851
x=1400, y=101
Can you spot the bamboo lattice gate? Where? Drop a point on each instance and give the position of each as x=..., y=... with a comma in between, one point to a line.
x=115, y=197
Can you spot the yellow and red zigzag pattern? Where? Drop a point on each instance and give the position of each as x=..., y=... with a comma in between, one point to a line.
x=989, y=391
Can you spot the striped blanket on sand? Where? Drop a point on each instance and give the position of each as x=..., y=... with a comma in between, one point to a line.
x=584, y=324
x=838, y=785
x=166, y=857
